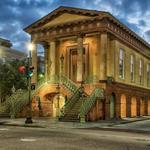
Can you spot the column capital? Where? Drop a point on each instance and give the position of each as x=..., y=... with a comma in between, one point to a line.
x=80, y=35
x=45, y=45
x=52, y=39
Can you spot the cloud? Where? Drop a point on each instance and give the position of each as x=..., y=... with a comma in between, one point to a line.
x=17, y=14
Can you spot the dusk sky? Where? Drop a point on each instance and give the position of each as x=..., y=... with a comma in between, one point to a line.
x=17, y=14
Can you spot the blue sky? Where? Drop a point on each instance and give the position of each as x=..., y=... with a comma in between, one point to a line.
x=17, y=14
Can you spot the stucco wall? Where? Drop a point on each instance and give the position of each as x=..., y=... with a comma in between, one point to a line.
x=127, y=77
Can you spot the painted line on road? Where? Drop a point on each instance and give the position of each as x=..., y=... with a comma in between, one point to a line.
x=4, y=129
x=28, y=140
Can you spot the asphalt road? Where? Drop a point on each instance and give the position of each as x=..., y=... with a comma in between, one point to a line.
x=25, y=138
x=139, y=125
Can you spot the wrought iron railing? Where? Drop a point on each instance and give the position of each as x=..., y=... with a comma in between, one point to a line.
x=14, y=102
x=68, y=83
x=89, y=102
x=19, y=99
x=63, y=80
x=17, y=104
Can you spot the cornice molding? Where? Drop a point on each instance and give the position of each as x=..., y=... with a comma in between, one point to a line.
x=88, y=26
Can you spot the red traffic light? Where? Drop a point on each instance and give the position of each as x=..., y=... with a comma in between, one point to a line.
x=22, y=69
x=31, y=68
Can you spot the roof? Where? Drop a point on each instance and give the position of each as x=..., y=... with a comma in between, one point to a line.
x=65, y=9
x=5, y=42
x=11, y=53
x=86, y=12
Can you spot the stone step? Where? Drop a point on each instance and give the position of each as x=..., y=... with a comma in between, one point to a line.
x=72, y=114
x=4, y=115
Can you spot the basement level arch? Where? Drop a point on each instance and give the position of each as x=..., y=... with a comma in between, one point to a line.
x=123, y=106
x=148, y=109
x=133, y=107
x=58, y=103
x=142, y=107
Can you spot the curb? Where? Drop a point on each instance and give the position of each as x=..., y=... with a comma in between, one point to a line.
x=23, y=125
x=126, y=122
x=118, y=130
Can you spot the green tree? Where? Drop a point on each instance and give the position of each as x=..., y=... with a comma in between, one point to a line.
x=9, y=77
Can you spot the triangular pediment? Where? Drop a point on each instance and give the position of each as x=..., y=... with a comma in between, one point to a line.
x=64, y=18
x=62, y=15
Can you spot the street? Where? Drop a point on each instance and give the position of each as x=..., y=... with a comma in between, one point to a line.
x=26, y=138
x=141, y=125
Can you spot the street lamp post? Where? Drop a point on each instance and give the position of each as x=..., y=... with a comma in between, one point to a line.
x=61, y=64
x=29, y=110
x=58, y=98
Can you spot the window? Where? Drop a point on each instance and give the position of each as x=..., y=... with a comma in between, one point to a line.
x=132, y=67
x=141, y=70
x=121, y=63
x=148, y=75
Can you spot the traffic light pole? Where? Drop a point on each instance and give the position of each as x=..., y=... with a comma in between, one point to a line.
x=29, y=110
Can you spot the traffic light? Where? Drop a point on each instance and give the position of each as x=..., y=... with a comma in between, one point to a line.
x=22, y=69
x=30, y=72
x=26, y=70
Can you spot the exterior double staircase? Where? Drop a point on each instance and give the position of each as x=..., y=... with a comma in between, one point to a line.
x=75, y=109
x=80, y=104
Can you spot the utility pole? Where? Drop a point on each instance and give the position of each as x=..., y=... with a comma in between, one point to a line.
x=29, y=110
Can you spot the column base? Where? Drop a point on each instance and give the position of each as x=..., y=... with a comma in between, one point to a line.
x=82, y=119
x=28, y=120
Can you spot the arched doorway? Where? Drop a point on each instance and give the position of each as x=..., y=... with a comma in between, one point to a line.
x=142, y=107
x=133, y=107
x=123, y=106
x=58, y=103
x=112, y=106
x=148, y=112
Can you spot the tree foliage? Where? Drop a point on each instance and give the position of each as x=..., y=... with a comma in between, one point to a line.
x=10, y=77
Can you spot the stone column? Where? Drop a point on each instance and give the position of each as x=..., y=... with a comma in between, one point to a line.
x=80, y=59
x=103, y=52
x=46, y=61
x=52, y=59
x=128, y=106
x=34, y=63
x=111, y=57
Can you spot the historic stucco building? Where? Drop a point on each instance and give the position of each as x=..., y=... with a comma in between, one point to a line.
x=94, y=64
x=7, y=53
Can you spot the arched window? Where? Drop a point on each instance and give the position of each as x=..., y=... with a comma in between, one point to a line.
x=121, y=63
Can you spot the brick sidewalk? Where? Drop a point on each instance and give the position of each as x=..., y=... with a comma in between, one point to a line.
x=53, y=123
